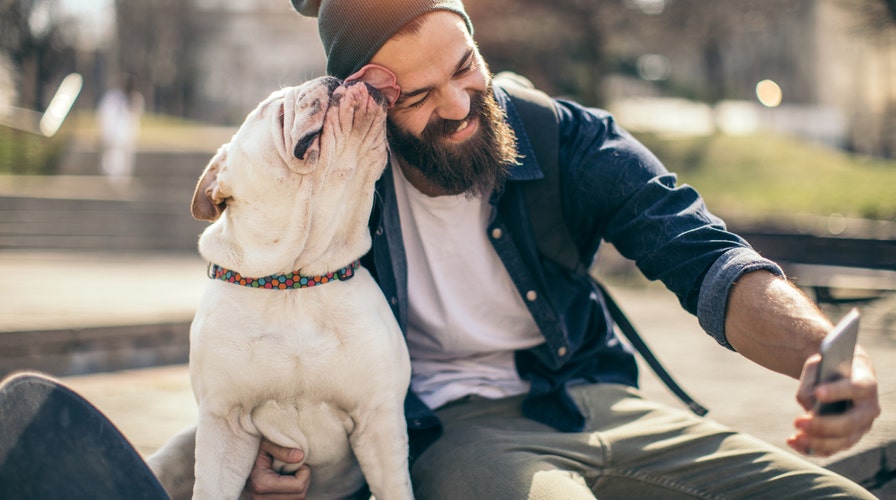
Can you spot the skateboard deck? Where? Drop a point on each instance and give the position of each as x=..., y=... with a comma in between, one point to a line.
x=55, y=444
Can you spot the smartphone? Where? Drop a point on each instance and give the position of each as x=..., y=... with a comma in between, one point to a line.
x=837, y=350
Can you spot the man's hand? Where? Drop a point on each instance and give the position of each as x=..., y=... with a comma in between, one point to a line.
x=264, y=482
x=825, y=435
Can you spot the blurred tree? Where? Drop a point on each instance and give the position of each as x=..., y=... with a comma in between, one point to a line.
x=877, y=17
x=157, y=43
x=877, y=23
x=559, y=45
x=38, y=41
x=568, y=46
x=710, y=27
x=891, y=10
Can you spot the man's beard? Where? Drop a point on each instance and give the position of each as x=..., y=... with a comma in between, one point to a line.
x=474, y=167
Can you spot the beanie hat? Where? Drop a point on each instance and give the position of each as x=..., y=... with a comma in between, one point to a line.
x=352, y=31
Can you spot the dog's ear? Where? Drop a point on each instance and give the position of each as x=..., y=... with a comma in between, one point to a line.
x=209, y=198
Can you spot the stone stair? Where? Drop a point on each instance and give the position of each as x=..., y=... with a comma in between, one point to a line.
x=80, y=210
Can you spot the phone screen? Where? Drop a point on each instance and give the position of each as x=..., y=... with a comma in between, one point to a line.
x=837, y=350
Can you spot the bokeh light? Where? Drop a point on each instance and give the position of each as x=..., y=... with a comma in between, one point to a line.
x=769, y=93
x=654, y=67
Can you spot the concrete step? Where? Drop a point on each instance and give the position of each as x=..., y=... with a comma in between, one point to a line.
x=108, y=224
x=79, y=209
x=68, y=313
x=148, y=165
x=77, y=351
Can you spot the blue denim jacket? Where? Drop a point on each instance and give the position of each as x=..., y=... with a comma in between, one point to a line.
x=613, y=189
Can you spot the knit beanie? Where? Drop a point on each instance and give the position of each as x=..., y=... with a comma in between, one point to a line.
x=352, y=31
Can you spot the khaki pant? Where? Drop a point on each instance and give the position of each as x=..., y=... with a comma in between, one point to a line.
x=631, y=448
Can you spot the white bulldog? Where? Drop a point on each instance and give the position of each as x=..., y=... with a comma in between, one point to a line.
x=294, y=341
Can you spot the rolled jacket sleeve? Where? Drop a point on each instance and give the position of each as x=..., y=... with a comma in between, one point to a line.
x=717, y=286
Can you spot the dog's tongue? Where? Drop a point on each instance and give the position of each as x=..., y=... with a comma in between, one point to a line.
x=379, y=78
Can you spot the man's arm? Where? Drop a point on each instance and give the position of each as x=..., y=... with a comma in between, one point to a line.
x=772, y=323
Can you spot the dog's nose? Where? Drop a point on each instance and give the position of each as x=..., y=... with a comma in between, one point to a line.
x=331, y=82
x=304, y=143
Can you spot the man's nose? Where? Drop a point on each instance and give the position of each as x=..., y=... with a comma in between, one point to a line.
x=454, y=104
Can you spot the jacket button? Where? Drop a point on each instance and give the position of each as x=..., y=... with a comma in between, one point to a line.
x=379, y=231
x=561, y=352
x=531, y=295
x=497, y=233
x=394, y=300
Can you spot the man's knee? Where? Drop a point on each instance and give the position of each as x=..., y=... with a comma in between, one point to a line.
x=480, y=471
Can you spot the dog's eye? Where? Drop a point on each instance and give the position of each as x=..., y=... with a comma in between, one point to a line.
x=304, y=143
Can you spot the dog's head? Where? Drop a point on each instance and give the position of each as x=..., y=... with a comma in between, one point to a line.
x=296, y=179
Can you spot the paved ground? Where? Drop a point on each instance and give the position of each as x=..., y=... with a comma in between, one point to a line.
x=44, y=291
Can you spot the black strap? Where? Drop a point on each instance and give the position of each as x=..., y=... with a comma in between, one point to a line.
x=554, y=240
x=552, y=236
x=635, y=339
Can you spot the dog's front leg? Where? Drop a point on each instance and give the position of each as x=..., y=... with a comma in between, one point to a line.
x=225, y=452
x=380, y=444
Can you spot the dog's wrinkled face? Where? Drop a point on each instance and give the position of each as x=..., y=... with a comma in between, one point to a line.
x=299, y=171
x=295, y=135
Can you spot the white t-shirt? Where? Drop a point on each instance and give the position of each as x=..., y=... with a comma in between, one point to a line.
x=465, y=317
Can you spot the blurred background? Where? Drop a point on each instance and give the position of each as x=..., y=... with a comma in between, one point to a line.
x=781, y=112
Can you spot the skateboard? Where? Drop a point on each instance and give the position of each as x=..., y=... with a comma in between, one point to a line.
x=55, y=444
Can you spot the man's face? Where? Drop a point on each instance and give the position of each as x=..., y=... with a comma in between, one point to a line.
x=446, y=123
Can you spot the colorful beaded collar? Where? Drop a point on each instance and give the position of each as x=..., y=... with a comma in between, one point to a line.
x=282, y=281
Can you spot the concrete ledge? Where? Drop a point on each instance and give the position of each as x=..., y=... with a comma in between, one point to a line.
x=79, y=351
x=874, y=469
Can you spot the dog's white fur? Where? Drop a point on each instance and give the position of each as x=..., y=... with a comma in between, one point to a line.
x=324, y=369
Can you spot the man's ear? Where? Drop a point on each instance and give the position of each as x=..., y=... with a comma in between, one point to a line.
x=210, y=198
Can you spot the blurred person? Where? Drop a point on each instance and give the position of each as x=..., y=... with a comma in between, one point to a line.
x=119, y=112
x=520, y=386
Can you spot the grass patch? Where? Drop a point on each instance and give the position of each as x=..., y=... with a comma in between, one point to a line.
x=22, y=153
x=28, y=154
x=767, y=175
